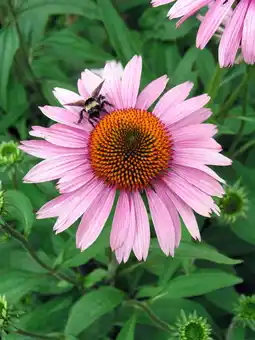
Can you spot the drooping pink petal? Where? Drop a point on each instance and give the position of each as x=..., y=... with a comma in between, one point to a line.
x=199, y=179
x=53, y=207
x=186, y=214
x=151, y=92
x=77, y=182
x=209, y=143
x=131, y=82
x=156, y=3
x=163, y=223
x=195, y=198
x=248, y=37
x=171, y=98
x=82, y=90
x=214, y=17
x=192, y=11
x=123, y=253
x=184, y=7
x=79, y=203
x=231, y=38
x=162, y=192
x=120, y=222
x=54, y=168
x=142, y=236
x=94, y=219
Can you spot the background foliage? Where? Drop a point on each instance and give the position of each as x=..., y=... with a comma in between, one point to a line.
x=60, y=293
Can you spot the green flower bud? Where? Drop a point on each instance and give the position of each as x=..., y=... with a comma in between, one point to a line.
x=9, y=153
x=234, y=204
x=191, y=327
x=4, y=317
x=245, y=311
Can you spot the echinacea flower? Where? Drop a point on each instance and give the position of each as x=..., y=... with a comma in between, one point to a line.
x=239, y=30
x=113, y=64
x=163, y=153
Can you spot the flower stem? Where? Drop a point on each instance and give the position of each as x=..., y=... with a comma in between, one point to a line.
x=244, y=111
x=22, y=240
x=35, y=335
x=156, y=320
x=229, y=103
x=213, y=86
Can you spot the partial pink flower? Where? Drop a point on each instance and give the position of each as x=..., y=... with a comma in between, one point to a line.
x=162, y=153
x=238, y=17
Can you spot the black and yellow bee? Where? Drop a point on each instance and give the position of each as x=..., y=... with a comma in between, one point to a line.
x=93, y=106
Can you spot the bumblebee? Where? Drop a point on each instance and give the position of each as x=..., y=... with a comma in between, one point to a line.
x=93, y=106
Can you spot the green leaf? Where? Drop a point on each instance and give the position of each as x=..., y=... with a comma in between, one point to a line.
x=19, y=208
x=94, y=277
x=91, y=307
x=49, y=316
x=128, y=331
x=193, y=251
x=9, y=43
x=66, y=46
x=199, y=283
x=205, y=65
x=228, y=295
x=119, y=35
x=183, y=71
x=84, y=8
x=16, y=284
x=157, y=26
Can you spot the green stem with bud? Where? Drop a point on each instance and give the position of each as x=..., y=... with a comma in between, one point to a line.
x=156, y=320
x=22, y=240
x=244, y=111
x=35, y=335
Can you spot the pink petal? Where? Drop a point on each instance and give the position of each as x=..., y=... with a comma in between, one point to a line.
x=66, y=97
x=161, y=189
x=171, y=98
x=64, y=116
x=184, y=7
x=196, y=117
x=94, y=219
x=43, y=149
x=195, y=198
x=131, y=82
x=212, y=21
x=248, y=38
x=163, y=223
x=199, y=179
x=120, y=222
x=209, y=143
x=77, y=182
x=186, y=214
x=200, y=156
x=142, y=237
x=151, y=92
x=81, y=88
x=54, y=168
x=192, y=11
x=195, y=132
x=156, y=3
x=53, y=207
x=231, y=38
x=185, y=108
x=80, y=201
x=123, y=253
x=113, y=86
x=90, y=81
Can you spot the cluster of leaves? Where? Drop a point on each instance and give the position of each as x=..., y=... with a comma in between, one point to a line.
x=65, y=294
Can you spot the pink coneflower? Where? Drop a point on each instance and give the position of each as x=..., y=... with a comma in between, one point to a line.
x=132, y=151
x=238, y=33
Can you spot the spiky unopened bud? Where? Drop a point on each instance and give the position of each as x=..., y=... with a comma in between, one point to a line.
x=245, y=311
